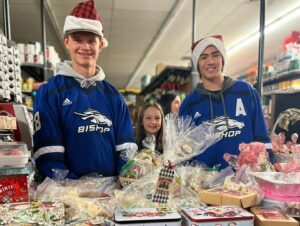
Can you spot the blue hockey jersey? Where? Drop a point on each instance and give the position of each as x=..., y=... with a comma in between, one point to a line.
x=80, y=129
x=237, y=108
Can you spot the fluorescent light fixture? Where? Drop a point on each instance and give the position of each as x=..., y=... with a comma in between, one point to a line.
x=286, y=17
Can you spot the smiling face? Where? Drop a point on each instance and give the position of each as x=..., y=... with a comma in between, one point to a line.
x=210, y=64
x=175, y=105
x=152, y=120
x=84, y=49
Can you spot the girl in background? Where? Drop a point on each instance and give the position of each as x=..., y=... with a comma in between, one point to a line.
x=150, y=123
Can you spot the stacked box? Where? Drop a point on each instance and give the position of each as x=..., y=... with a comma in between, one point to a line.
x=222, y=196
x=272, y=216
x=10, y=71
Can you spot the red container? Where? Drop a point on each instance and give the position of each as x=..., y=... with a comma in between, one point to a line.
x=13, y=188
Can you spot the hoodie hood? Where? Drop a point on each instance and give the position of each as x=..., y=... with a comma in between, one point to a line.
x=228, y=83
x=65, y=69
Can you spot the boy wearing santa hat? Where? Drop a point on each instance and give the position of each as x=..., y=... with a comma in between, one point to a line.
x=233, y=104
x=81, y=121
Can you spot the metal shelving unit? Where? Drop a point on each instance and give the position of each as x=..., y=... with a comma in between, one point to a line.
x=290, y=75
x=164, y=75
x=40, y=72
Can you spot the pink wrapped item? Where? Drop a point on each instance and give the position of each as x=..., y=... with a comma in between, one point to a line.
x=285, y=151
x=253, y=154
x=280, y=145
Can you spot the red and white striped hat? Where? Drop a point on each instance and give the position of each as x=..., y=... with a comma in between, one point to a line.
x=199, y=46
x=85, y=17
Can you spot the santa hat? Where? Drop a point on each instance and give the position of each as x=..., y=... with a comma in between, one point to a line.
x=199, y=46
x=85, y=17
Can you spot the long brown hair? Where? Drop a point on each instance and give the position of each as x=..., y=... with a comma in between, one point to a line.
x=140, y=131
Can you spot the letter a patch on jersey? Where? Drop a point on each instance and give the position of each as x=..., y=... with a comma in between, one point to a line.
x=240, y=109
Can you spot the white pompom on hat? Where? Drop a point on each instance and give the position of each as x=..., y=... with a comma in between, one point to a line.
x=85, y=17
x=199, y=46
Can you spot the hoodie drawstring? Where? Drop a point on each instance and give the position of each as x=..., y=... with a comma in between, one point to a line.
x=224, y=109
x=211, y=107
x=86, y=83
x=223, y=105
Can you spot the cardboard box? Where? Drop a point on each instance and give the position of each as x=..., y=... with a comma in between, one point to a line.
x=159, y=68
x=13, y=188
x=220, y=196
x=7, y=122
x=147, y=216
x=272, y=216
x=216, y=215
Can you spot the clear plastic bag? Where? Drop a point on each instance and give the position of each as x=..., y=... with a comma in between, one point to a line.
x=141, y=163
x=183, y=141
x=82, y=197
x=188, y=140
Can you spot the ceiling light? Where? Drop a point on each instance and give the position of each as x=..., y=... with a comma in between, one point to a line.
x=278, y=22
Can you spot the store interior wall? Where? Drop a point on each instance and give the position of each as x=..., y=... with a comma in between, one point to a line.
x=144, y=33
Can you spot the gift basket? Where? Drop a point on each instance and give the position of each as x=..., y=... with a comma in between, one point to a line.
x=84, y=198
x=193, y=175
x=286, y=150
x=163, y=184
x=139, y=164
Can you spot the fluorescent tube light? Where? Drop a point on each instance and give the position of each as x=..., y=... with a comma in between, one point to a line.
x=286, y=17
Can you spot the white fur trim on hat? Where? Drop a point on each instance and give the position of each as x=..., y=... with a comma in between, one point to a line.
x=203, y=44
x=73, y=24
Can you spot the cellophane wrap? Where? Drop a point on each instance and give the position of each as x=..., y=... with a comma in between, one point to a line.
x=253, y=154
x=33, y=213
x=84, y=198
x=139, y=194
x=141, y=163
x=244, y=181
x=286, y=153
x=183, y=141
x=217, y=179
x=129, y=152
